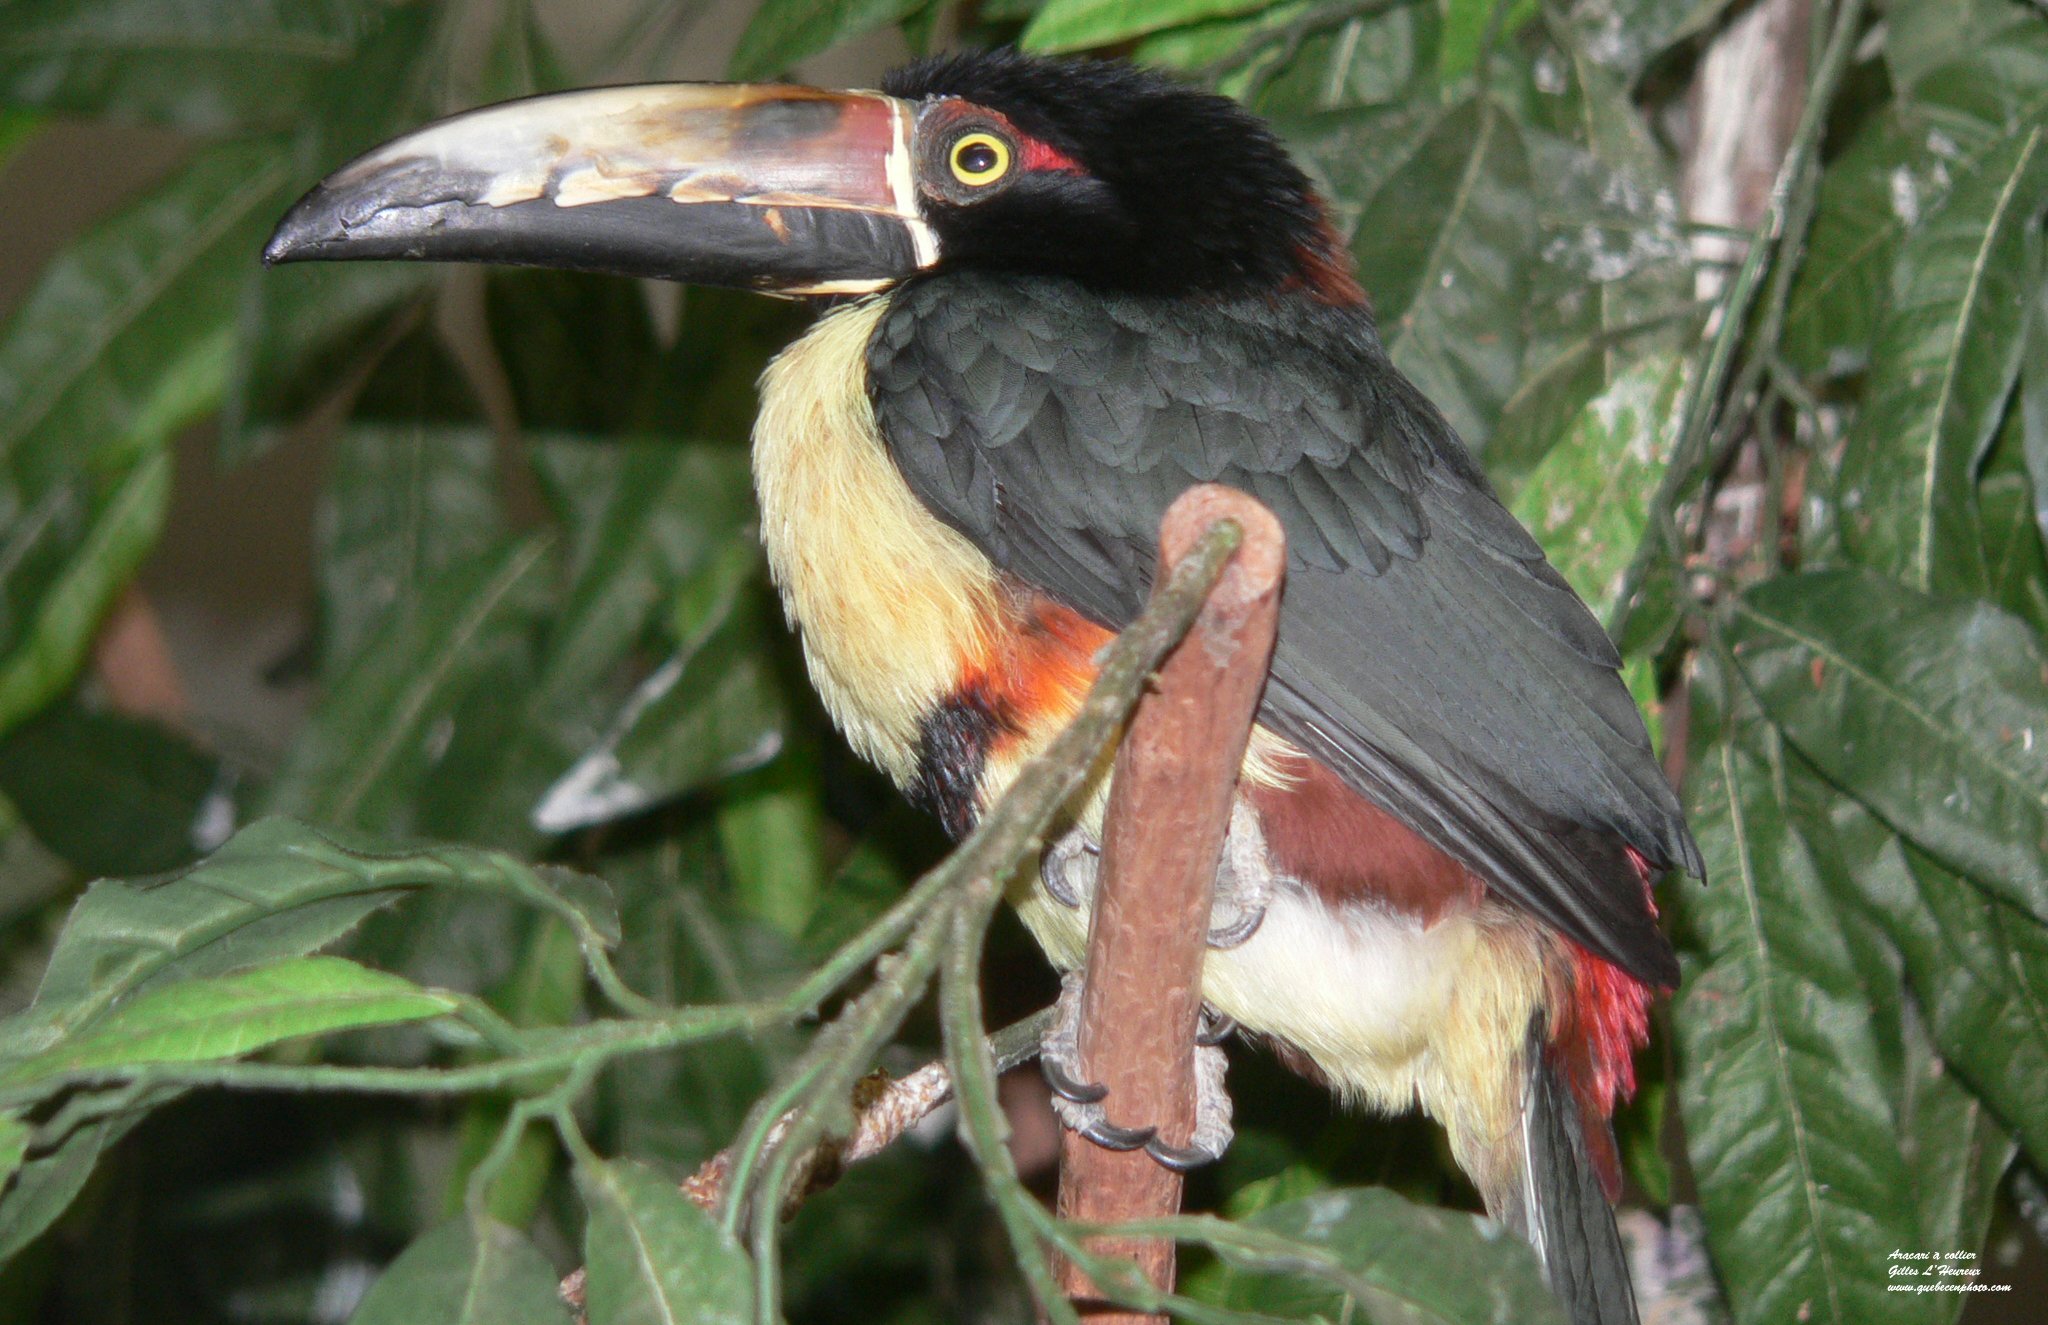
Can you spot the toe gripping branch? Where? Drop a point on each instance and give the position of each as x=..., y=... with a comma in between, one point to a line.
x=1140, y=1053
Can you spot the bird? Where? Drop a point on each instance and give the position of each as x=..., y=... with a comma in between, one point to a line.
x=1053, y=294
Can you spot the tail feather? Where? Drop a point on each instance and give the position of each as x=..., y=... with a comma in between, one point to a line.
x=1566, y=1215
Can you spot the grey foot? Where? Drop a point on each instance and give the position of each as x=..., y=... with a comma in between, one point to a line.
x=1069, y=868
x=1079, y=1102
x=1244, y=877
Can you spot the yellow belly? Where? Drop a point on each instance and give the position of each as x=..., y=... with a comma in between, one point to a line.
x=887, y=600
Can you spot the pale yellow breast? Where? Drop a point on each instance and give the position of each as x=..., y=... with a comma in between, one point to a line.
x=886, y=599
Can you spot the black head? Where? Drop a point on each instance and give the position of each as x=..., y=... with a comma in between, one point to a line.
x=1116, y=176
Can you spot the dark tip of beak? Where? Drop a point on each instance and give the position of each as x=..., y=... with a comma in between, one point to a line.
x=302, y=231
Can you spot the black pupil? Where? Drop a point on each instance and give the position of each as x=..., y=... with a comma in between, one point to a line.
x=977, y=158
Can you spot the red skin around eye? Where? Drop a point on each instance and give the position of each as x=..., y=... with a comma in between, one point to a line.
x=1038, y=156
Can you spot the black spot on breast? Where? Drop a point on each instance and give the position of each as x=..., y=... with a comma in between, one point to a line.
x=952, y=747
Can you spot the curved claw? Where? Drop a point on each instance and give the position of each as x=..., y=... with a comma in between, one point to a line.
x=1237, y=931
x=1111, y=1137
x=1067, y=1088
x=1216, y=1027
x=1181, y=1159
x=1052, y=872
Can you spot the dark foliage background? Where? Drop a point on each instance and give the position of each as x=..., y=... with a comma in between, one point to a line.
x=305, y=1065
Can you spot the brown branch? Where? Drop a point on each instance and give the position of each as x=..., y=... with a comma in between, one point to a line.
x=884, y=1108
x=1169, y=806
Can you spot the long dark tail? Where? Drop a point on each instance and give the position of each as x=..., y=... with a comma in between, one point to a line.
x=1566, y=1215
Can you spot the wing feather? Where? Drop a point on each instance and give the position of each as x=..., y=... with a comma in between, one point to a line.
x=1427, y=651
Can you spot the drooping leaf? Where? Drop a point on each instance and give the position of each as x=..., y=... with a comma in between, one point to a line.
x=206, y=68
x=1445, y=249
x=1946, y=356
x=68, y=551
x=653, y=1258
x=122, y=342
x=1979, y=967
x=1934, y=714
x=1900, y=169
x=387, y=721
x=111, y=794
x=1377, y=1255
x=710, y=711
x=124, y=338
x=1958, y=1153
x=785, y=31
x=226, y=1016
x=460, y=1274
x=401, y=505
x=1783, y=1078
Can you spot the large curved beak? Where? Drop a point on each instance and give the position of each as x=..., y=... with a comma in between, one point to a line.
x=783, y=189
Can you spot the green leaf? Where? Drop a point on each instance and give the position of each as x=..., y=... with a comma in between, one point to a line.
x=1466, y=24
x=772, y=826
x=1073, y=25
x=101, y=536
x=1340, y=1253
x=1902, y=167
x=123, y=341
x=1585, y=501
x=204, y=68
x=1945, y=359
x=111, y=794
x=1958, y=1153
x=402, y=505
x=1933, y=714
x=277, y=889
x=652, y=1258
x=14, y=1135
x=226, y=1016
x=124, y=338
x=2033, y=394
x=387, y=721
x=785, y=31
x=305, y=331
x=1979, y=967
x=1783, y=1077
x=457, y=1274
x=48, y=1182
x=711, y=711
x=1445, y=249
x=1921, y=36
x=2015, y=560
x=643, y=518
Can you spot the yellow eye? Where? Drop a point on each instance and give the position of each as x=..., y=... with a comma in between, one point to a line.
x=980, y=158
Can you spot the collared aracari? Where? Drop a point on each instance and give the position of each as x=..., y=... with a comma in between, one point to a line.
x=1061, y=293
